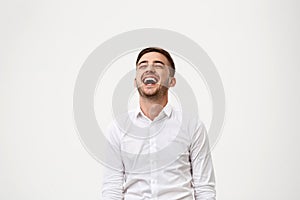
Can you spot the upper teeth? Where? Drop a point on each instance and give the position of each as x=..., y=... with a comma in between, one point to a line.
x=150, y=80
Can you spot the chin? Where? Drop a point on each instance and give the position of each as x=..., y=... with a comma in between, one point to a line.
x=150, y=93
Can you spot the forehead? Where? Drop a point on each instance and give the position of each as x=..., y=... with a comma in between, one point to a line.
x=154, y=56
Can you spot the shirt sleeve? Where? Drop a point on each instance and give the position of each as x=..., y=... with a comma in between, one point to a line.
x=203, y=179
x=113, y=177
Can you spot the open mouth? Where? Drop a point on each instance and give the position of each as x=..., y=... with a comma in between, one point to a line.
x=150, y=80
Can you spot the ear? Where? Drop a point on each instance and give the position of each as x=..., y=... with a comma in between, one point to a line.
x=172, y=82
x=134, y=82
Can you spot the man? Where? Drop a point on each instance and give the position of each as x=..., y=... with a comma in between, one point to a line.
x=155, y=152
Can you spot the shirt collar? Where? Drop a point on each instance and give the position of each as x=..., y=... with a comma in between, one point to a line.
x=167, y=110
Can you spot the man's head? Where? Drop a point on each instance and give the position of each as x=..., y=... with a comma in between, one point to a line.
x=155, y=71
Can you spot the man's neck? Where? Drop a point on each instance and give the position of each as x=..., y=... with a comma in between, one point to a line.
x=151, y=108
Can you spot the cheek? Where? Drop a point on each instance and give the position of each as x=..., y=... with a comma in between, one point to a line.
x=138, y=80
x=164, y=75
x=138, y=74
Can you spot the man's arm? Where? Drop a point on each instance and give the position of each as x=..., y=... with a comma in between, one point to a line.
x=202, y=168
x=113, y=178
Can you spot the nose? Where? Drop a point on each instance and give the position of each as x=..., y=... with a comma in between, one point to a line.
x=150, y=68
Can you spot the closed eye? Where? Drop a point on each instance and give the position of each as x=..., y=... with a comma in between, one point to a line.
x=142, y=66
x=160, y=66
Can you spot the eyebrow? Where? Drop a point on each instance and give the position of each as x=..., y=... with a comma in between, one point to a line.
x=156, y=61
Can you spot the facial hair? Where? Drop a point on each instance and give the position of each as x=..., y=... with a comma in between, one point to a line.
x=158, y=94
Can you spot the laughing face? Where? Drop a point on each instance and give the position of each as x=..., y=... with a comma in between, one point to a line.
x=153, y=75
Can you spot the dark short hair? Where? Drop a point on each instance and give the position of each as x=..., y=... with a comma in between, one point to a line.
x=158, y=50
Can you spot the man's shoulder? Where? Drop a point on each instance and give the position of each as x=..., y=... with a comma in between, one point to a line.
x=187, y=118
x=122, y=120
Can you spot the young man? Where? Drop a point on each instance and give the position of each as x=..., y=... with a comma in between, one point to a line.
x=156, y=154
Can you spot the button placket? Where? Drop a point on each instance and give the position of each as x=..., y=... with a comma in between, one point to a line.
x=153, y=163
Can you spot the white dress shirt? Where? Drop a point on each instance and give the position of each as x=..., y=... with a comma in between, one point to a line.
x=167, y=158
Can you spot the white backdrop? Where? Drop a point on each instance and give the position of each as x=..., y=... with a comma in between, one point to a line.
x=254, y=45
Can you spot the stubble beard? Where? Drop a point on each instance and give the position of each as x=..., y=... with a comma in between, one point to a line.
x=160, y=92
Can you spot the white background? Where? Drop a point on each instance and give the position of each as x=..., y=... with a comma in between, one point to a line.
x=254, y=45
